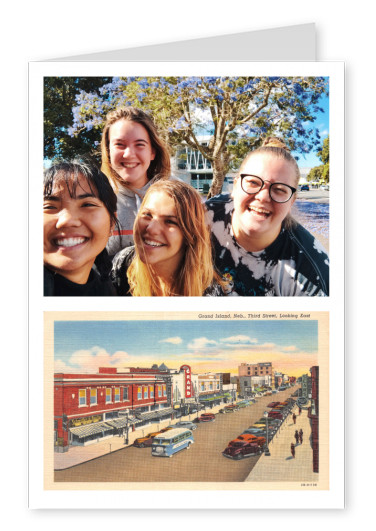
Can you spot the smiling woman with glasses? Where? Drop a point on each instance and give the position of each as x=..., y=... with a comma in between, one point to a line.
x=259, y=248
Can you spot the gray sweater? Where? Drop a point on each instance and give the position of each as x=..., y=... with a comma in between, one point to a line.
x=128, y=204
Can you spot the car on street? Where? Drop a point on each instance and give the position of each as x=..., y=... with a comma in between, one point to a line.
x=226, y=410
x=273, y=404
x=243, y=403
x=242, y=449
x=258, y=432
x=142, y=442
x=206, y=417
x=184, y=424
x=304, y=188
x=271, y=422
x=248, y=437
x=276, y=415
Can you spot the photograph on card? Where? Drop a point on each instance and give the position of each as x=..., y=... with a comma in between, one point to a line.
x=186, y=185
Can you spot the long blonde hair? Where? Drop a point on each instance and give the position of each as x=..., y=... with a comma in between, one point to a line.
x=196, y=272
x=160, y=167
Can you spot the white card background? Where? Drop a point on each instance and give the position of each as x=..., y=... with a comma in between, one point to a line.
x=333, y=304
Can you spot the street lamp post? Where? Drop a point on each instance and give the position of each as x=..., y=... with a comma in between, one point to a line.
x=126, y=440
x=267, y=435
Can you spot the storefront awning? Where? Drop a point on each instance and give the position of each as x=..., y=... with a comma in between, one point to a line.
x=122, y=422
x=154, y=415
x=90, y=429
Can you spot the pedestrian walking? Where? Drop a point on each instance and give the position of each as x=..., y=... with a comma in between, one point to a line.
x=296, y=436
x=300, y=410
x=294, y=418
x=293, y=450
x=301, y=436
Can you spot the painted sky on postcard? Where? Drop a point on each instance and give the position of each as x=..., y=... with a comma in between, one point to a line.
x=205, y=345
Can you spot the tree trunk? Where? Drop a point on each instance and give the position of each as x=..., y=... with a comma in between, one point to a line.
x=220, y=168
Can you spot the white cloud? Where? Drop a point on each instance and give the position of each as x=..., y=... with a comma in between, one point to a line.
x=200, y=343
x=89, y=361
x=173, y=340
x=239, y=340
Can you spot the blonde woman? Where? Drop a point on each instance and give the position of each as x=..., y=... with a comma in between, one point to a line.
x=172, y=255
x=259, y=248
x=134, y=156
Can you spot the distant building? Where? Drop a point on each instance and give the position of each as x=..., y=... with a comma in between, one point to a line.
x=189, y=165
x=313, y=415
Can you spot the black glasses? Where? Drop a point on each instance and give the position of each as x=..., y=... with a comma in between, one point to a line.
x=279, y=192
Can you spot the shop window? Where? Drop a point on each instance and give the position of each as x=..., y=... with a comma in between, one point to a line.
x=117, y=394
x=108, y=396
x=82, y=397
x=151, y=391
x=125, y=393
x=139, y=393
x=145, y=392
x=93, y=397
x=164, y=391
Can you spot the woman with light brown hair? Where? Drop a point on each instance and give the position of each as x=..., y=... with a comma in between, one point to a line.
x=134, y=156
x=259, y=247
x=172, y=254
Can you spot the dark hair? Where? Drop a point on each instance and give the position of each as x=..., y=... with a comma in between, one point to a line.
x=69, y=172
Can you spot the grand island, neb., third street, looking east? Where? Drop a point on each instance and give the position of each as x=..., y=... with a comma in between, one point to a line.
x=187, y=401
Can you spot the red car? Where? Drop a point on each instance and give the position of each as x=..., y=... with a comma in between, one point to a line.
x=241, y=449
x=206, y=417
x=276, y=415
x=273, y=404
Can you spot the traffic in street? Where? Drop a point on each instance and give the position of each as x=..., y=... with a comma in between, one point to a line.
x=203, y=461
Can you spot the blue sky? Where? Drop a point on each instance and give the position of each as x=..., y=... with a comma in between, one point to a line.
x=311, y=160
x=204, y=344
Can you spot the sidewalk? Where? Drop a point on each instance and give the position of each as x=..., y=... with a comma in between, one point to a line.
x=280, y=465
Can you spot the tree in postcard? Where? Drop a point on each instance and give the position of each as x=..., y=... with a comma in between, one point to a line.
x=235, y=113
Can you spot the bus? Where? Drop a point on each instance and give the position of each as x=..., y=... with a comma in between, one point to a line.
x=167, y=444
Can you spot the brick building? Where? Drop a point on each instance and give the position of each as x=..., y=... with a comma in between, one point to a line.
x=88, y=407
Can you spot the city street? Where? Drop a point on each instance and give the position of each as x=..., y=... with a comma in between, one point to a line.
x=203, y=462
x=311, y=209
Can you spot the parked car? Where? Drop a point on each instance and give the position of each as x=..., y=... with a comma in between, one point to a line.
x=206, y=417
x=232, y=407
x=243, y=403
x=304, y=187
x=142, y=442
x=184, y=424
x=248, y=437
x=261, y=426
x=276, y=415
x=258, y=432
x=271, y=422
x=273, y=404
x=242, y=449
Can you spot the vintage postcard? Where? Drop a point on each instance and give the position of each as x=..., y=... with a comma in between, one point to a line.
x=238, y=401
